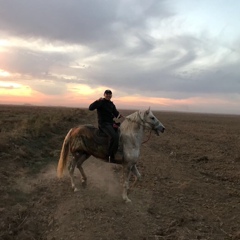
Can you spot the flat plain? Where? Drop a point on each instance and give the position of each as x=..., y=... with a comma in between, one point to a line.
x=190, y=186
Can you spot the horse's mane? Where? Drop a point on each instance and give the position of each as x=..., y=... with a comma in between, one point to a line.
x=134, y=116
x=129, y=124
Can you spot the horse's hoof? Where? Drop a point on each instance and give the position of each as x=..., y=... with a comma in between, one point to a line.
x=75, y=189
x=127, y=200
x=84, y=184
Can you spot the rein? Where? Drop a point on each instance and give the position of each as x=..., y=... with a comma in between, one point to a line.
x=148, y=137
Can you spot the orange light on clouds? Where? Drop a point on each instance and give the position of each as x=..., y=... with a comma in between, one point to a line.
x=4, y=73
x=81, y=89
x=14, y=93
x=139, y=102
x=143, y=102
x=3, y=43
x=14, y=89
x=81, y=95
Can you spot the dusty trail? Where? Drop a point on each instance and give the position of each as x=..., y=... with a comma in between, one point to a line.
x=190, y=189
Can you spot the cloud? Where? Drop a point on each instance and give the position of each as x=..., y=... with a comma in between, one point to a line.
x=48, y=87
x=102, y=25
x=169, y=70
x=7, y=87
x=137, y=48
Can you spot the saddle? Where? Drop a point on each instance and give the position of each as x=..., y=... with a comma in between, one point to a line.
x=115, y=126
x=99, y=133
x=101, y=138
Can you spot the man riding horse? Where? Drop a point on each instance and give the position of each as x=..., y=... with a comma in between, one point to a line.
x=85, y=141
x=106, y=111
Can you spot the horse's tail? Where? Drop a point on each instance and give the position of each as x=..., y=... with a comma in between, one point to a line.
x=64, y=155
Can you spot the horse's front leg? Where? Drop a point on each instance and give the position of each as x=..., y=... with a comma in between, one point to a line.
x=126, y=177
x=137, y=175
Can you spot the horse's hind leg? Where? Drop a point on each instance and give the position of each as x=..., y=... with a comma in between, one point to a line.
x=80, y=161
x=77, y=160
x=71, y=167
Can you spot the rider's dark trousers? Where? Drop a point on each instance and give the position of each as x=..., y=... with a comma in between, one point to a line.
x=113, y=138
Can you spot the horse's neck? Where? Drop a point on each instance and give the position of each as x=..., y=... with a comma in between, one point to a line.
x=135, y=117
x=132, y=128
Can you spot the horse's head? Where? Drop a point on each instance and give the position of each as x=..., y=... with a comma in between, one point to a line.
x=151, y=122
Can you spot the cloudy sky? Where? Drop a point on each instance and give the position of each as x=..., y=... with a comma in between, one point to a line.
x=167, y=54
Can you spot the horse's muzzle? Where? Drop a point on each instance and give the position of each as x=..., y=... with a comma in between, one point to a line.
x=159, y=129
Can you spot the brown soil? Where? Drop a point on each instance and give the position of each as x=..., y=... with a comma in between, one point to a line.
x=190, y=187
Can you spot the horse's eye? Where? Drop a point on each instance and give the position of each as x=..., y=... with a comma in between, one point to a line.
x=152, y=118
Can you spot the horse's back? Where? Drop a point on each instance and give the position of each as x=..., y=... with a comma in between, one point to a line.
x=86, y=130
x=89, y=131
x=88, y=138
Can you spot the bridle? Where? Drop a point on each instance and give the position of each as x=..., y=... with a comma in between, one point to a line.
x=148, y=137
x=142, y=123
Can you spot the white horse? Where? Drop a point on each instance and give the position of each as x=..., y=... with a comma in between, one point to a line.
x=85, y=140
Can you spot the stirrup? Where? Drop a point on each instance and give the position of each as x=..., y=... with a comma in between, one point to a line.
x=111, y=159
x=114, y=160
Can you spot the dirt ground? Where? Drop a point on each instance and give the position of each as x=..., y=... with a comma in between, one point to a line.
x=190, y=187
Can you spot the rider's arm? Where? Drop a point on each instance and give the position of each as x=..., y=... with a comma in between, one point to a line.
x=120, y=116
x=95, y=105
x=116, y=112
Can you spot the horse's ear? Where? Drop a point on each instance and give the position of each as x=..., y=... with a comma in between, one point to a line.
x=148, y=111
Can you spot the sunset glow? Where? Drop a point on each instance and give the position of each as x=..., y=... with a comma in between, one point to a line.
x=167, y=55
x=14, y=89
x=4, y=73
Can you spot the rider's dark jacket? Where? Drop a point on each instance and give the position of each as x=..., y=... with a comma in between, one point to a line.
x=106, y=111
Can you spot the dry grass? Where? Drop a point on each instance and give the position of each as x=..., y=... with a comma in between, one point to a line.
x=190, y=188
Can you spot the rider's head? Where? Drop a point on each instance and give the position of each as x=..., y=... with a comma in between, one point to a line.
x=108, y=94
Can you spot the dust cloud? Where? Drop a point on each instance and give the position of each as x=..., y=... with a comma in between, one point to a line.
x=50, y=172
x=29, y=184
x=103, y=176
